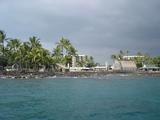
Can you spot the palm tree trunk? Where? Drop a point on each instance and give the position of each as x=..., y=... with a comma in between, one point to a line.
x=3, y=48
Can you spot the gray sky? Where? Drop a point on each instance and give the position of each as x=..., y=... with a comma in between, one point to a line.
x=95, y=27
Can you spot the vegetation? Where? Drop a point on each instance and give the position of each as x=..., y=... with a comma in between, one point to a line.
x=88, y=62
x=120, y=55
x=2, y=40
x=31, y=56
x=64, y=51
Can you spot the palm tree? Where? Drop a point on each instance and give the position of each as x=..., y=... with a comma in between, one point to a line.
x=39, y=57
x=13, y=51
x=32, y=50
x=14, y=45
x=121, y=52
x=156, y=61
x=2, y=40
x=113, y=57
x=34, y=57
x=71, y=50
x=120, y=55
x=127, y=52
x=34, y=42
x=57, y=51
x=64, y=51
x=65, y=45
x=90, y=62
x=139, y=54
x=25, y=50
x=45, y=57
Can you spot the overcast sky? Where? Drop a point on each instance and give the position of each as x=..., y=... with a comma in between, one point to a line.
x=95, y=27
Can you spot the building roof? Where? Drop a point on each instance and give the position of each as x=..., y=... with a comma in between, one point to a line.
x=132, y=56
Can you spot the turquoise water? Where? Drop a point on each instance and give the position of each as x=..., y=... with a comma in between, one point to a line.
x=111, y=98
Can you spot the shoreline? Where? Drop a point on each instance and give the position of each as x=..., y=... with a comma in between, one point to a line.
x=88, y=74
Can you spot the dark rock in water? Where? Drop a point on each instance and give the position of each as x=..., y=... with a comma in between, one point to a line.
x=92, y=74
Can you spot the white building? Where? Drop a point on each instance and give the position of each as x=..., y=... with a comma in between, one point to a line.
x=75, y=67
x=131, y=57
x=124, y=65
x=149, y=68
x=79, y=69
x=79, y=58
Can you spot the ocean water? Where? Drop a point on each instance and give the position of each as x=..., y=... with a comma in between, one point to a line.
x=110, y=98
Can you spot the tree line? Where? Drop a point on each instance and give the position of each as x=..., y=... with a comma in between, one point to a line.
x=31, y=55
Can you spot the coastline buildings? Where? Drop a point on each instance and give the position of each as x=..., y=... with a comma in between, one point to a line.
x=78, y=58
x=124, y=65
x=128, y=66
x=101, y=68
x=149, y=68
x=78, y=64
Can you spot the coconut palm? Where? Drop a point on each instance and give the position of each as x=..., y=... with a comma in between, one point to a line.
x=12, y=51
x=2, y=40
x=13, y=45
x=139, y=54
x=120, y=55
x=34, y=42
x=90, y=62
x=39, y=57
x=127, y=52
x=156, y=61
x=64, y=51
x=113, y=57
x=33, y=56
x=71, y=50
x=65, y=46
x=24, y=51
x=57, y=51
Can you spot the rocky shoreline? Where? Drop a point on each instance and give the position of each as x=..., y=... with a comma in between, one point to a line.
x=26, y=75
x=34, y=75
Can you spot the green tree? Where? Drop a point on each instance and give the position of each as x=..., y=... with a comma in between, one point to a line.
x=34, y=42
x=90, y=62
x=37, y=56
x=127, y=52
x=156, y=61
x=2, y=40
x=113, y=57
x=12, y=51
x=3, y=61
x=64, y=51
x=139, y=54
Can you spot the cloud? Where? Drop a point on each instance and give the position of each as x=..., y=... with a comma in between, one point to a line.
x=99, y=27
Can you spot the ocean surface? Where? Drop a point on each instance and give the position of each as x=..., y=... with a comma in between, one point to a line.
x=110, y=98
